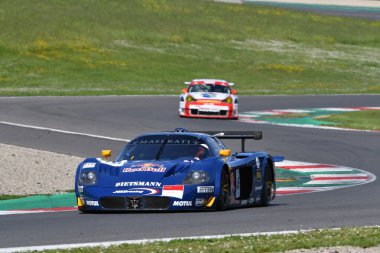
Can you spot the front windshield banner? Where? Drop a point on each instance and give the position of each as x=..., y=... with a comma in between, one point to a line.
x=209, y=88
x=165, y=147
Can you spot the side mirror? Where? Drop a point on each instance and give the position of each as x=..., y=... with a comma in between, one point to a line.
x=233, y=92
x=106, y=153
x=184, y=90
x=225, y=152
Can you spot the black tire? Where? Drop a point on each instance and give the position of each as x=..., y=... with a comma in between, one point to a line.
x=224, y=192
x=267, y=192
x=83, y=210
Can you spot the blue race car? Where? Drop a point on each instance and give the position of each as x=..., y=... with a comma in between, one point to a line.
x=177, y=170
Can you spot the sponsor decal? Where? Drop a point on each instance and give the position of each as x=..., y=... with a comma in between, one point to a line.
x=168, y=141
x=258, y=174
x=258, y=171
x=117, y=164
x=237, y=189
x=176, y=141
x=182, y=203
x=146, y=167
x=199, y=202
x=151, y=141
x=205, y=189
x=244, y=202
x=234, y=201
x=257, y=162
x=209, y=109
x=138, y=183
x=175, y=191
x=208, y=95
x=92, y=203
x=144, y=191
x=251, y=200
x=88, y=165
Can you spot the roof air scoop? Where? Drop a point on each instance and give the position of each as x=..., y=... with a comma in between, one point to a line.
x=180, y=130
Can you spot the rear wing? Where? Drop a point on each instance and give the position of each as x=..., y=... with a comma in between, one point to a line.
x=209, y=81
x=232, y=135
x=236, y=135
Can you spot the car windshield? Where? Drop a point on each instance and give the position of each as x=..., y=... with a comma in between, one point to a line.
x=209, y=88
x=161, y=147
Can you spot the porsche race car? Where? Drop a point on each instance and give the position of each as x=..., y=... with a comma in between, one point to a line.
x=177, y=170
x=208, y=98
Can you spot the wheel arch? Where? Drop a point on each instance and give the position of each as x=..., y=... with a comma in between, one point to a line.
x=227, y=169
x=271, y=164
x=273, y=175
x=218, y=174
x=223, y=205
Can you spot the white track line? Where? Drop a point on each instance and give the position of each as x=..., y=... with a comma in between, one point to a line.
x=62, y=131
x=11, y=212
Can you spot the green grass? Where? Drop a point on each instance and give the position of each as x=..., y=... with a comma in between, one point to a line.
x=54, y=47
x=7, y=197
x=363, y=120
x=359, y=237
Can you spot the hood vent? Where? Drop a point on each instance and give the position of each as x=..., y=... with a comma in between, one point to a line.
x=178, y=169
x=109, y=170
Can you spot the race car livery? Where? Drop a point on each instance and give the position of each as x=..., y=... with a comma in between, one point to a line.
x=177, y=170
x=208, y=98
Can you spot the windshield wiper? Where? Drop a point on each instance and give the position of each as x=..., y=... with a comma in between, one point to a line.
x=203, y=87
x=161, y=149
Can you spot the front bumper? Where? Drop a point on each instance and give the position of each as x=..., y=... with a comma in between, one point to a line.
x=103, y=199
x=228, y=111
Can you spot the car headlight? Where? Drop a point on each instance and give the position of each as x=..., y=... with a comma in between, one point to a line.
x=196, y=177
x=87, y=178
x=228, y=100
x=189, y=99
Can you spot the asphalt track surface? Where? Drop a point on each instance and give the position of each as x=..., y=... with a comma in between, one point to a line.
x=125, y=117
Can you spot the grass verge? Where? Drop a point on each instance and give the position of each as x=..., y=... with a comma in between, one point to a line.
x=358, y=237
x=54, y=47
x=362, y=120
x=7, y=197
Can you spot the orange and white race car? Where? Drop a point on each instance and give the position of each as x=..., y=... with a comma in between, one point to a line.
x=208, y=98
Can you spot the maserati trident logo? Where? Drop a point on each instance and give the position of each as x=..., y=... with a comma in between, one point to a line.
x=134, y=203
